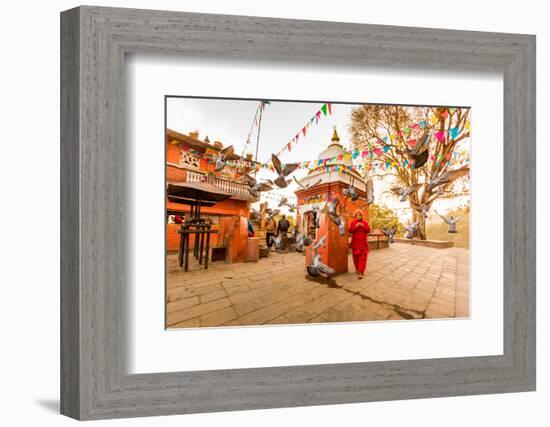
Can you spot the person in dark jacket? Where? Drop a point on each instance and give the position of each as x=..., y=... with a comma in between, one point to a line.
x=282, y=230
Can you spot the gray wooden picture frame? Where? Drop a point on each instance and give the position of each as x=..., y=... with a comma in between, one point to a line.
x=94, y=381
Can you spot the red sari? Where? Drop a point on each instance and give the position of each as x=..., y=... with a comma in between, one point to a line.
x=359, y=244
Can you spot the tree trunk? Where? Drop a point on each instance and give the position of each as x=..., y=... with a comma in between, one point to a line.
x=421, y=233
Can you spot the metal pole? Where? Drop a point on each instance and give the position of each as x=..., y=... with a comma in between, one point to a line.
x=186, y=249
x=201, y=238
x=182, y=238
x=258, y=136
x=208, y=231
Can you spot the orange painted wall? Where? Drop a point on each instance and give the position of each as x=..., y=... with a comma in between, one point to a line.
x=173, y=238
x=334, y=252
x=173, y=153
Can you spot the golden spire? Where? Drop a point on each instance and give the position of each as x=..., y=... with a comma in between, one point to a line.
x=335, y=137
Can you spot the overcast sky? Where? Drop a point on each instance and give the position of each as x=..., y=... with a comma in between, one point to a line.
x=230, y=121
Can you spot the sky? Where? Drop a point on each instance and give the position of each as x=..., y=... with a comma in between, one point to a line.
x=230, y=121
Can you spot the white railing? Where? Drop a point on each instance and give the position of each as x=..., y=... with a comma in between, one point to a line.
x=227, y=186
x=195, y=177
x=232, y=187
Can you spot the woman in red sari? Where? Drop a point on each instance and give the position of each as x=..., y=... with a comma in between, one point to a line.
x=359, y=230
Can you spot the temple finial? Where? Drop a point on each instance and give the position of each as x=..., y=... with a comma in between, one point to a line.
x=335, y=137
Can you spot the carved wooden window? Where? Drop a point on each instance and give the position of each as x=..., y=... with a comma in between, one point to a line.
x=189, y=160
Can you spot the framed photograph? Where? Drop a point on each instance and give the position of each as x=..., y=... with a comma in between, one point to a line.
x=262, y=213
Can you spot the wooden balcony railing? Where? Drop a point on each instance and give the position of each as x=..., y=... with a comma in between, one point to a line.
x=226, y=185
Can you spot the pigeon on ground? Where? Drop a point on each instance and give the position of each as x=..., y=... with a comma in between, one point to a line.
x=317, y=267
x=282, y=173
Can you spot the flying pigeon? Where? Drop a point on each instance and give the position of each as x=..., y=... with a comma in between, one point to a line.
x=302, y=241
x=304, y=186
x=418, y=156
x=256, y=187
x=316, y=215
x=281, y=181
x=411, y=229
x=342, y=226
x=271, y=213
x=447, y=177
x=331, y=211
x=351, y=192
x=451, y=221
x=370, y=194
x=405, y=191
x=320, y=242
x=389, y=232
x=283, y=201
x=226, y=154
x=422, y=209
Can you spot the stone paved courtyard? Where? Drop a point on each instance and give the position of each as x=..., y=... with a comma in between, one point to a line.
x=401, y=282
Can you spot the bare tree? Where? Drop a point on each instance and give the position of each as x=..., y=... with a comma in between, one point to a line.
x=395, y=136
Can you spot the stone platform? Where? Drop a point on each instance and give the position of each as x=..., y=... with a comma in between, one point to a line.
x=437, y=244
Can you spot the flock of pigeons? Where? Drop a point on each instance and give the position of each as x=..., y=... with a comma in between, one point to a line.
x=418, y=155
x=436, y=186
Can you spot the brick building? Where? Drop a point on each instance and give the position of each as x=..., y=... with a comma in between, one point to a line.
x=330, y=184
x=187, y=162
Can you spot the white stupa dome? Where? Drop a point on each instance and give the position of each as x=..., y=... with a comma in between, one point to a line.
x=335, y=149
